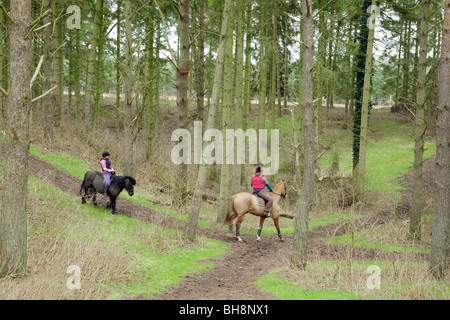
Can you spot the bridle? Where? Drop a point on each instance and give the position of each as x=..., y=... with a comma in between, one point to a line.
x=281, y=194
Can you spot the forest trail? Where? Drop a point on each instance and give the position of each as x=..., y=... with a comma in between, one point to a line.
x=234, y=276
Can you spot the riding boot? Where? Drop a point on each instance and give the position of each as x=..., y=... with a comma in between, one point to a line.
x=267, y=208
x=105, y=190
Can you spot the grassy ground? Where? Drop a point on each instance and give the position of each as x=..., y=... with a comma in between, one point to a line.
x=119, y=257
x=390, y=154
x=348, y=280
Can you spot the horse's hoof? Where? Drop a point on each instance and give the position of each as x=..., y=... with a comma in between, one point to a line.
x=239, y=239
x=258, y=238
x=281, y=239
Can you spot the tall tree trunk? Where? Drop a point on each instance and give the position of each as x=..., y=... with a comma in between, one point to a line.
x=361, y=169
x=320, y=72
x=248, y=62
x=150, y=88
x=263, y=68
x=128, y=79
x=360, y=67
x=194, y=210
x=419, y=131
x=13, y=217
x=273, y=72
x=247, y=76
x=406, y=59
x=88, y=101
x=57, y=51
x=239, y=119
x=440, y=241
x=397, y=82
x=299, y=254
x=201, y=63
x=156, y=78
x=180, y=187
x=48, y=100
x=118, y=65
x=225, y=178
x=77, y=74
x=99, y=68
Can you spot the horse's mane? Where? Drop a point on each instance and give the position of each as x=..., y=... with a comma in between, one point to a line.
x=120, y=180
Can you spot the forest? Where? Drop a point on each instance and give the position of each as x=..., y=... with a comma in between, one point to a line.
x=180, y=107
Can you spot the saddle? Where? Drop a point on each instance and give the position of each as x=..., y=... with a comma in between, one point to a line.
x=261, y=202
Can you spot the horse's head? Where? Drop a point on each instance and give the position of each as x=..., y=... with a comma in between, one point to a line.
x=129, y=184
x=283, y=185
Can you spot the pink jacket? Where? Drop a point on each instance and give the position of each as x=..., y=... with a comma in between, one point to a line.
x=104, y=167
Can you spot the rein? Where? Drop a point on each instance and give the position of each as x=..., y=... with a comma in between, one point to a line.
x=279, y=194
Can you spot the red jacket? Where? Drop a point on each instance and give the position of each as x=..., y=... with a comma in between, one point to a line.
x=257, y=182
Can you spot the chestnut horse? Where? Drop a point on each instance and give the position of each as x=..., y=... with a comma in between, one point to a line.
x=242, y=203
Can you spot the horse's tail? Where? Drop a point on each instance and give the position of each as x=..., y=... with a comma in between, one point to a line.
x=82, y=187
x=229, y=210
x=83, y=184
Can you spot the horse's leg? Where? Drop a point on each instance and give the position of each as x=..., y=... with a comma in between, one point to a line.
x=238, y=227
x=113, y=205
x=261, y=224
x=94, y=199
x=277, y=225
x=83, y=196
x=230, y=222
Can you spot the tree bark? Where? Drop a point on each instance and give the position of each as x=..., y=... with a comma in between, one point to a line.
x=194, y=210
x=13, y=217
x=225, y=178
x=361, y=169
x=128, y=79
x=201, y=63
x=180, y=187
x=88, y=101
x=57, y=51
x=150, y=88
x=299, y=254
x=360, y=67
x=118, y=66
x=419, y=130
x=440, y=241
x=238, y=123
x=47, y=85
x=263, y=68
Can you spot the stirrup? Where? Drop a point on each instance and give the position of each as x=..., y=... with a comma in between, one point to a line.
x=267, y=214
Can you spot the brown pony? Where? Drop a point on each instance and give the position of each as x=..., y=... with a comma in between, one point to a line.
x=242, y=203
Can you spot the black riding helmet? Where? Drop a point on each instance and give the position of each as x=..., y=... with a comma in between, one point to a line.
x=105, y=154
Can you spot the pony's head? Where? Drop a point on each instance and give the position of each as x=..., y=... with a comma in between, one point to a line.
x=127, y=183
x=282, y=186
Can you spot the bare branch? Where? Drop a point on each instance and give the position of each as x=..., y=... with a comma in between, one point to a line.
x=3, y=92
x=38, y=68
x=42, y=27
x=36, y=21
x=6, y=13
x=321, y=9
x=44, y=94
x=178, y=9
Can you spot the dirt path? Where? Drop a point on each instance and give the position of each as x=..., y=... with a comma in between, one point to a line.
x=234, y=276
